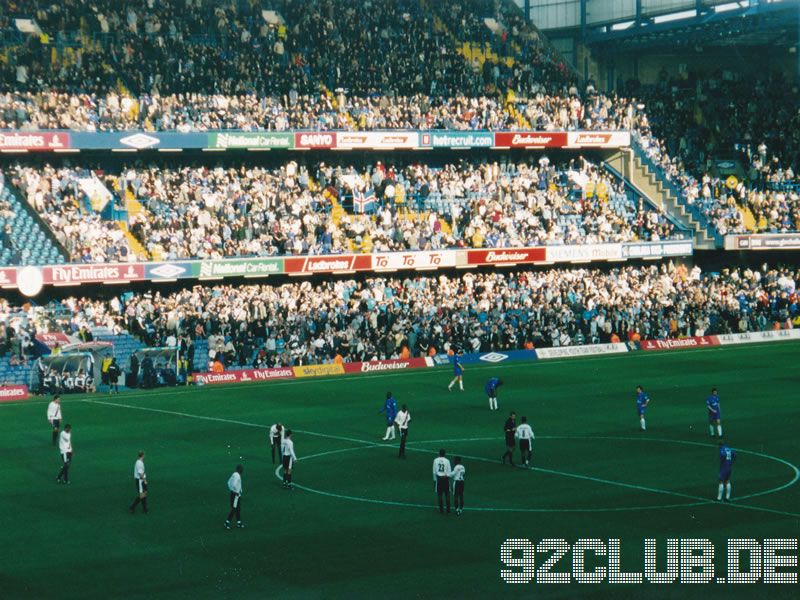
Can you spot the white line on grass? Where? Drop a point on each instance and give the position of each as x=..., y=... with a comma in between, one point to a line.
x=367, y=443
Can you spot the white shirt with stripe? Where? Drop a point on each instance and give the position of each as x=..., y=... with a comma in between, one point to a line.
x=402, y=419
x=273, y=431
x=235, y=483
x=65, y=442
x=287, y=449
x=53, y=411
x=459, y=473
x=138, y=470
x=524, y=432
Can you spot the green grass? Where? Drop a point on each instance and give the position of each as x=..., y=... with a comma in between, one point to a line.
x=597, y=476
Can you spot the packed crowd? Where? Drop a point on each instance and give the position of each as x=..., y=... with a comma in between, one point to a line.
x=380, y=318
x=59, y=198
x=200, y=212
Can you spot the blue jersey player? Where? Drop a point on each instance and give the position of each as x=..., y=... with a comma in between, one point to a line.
x=726, y=459
x=390, y=409
x=714, y=414
x=642, y=400
x=491, y=391
x=458, y=371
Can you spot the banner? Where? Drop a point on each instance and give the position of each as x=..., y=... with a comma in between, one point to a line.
x=680, y=343
x=315, y=139
x=9, y=393
x=763, y=241
x=241, y=266
x=138, y=140
x=598, y=139
x=8, y=277
x=244, y=376
x=328, y=264
x=414, y=260
x=509, y=256
x=756, y=337
x=377, y=139
x=176, y=270
x=584, y=252
x=318, y=370
x=530, y=139
x=51, y=340
x=385, y=365
x=279, y=140
x=457, y=139
x=35, y=142
x=99, y=273
x=487, y=358
x=575, y=351
x=657, y=249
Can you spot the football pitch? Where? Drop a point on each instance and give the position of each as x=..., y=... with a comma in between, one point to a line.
x=362, y=523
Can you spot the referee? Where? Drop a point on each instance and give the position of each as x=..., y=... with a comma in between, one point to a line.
x=235, y=488
x=441, y=479
x=509, y=430
x=65, y=447
x=140, y=479
x=276, y=440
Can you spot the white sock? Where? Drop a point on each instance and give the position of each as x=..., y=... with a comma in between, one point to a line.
x=728, y=490
x=491, y=406
x=494, y=403
x=641, y=421
x=461, y=385
x=719, y=430
x=391, y=430
x=450, y=385
x=711, y=430
x=719, y=493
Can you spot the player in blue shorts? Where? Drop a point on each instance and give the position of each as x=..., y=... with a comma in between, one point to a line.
x=390, y=408
x=642, y=400
x=491, y=391
x=714, y=414
x=458, y=371
x=726, y=458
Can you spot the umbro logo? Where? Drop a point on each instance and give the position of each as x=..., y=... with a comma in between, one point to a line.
x=168, y=271
x=494, y=357
x=140, y=141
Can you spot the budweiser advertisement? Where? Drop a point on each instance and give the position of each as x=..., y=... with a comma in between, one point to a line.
x=377, y=139
x=244, y=376
x=100, y=273
x=530, y=139
x=328, y=264
x=598, y=139
x=35, y=142
x=506, y=257
x=315, y=139
x=9, y=393
x=378, y=366
x=702, y=341
x=414, y=260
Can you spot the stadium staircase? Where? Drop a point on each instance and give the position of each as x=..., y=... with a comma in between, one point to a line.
x=33, y=241
x=134, y=208
x=648, y=181
x=748, y=218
